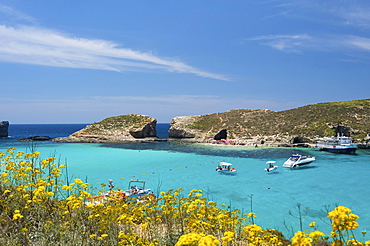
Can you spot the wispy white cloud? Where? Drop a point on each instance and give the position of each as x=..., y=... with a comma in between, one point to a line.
x=352, y=14
x=174, y=99
x=17, y=15
x=349, y=13
x=291, y=43
x=359, y=42
x=45, y=47
x=305, y=43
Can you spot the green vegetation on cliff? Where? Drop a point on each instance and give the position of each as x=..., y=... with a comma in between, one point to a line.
x=120, y=122
x=316, y=120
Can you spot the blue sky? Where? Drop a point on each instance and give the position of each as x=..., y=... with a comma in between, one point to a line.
x=67, y=61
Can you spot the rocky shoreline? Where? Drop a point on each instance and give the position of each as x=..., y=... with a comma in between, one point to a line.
x=180, y=130
x=136, y=128
x=299, y=127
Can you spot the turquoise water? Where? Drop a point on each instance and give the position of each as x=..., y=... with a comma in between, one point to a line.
x=329, y=181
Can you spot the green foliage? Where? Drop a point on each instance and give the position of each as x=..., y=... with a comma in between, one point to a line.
x=119, y=122
x=205, y=122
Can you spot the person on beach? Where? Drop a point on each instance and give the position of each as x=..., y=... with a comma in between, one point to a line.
x=111, y=185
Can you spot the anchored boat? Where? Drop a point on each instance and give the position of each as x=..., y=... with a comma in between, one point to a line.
x=136, y=189
x=338, y=144
x=271, y=167
x=298, y=160
x=226, y=168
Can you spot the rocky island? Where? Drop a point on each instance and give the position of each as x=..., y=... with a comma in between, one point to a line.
x=295, y=127
x=118, y=129
x=4, y=125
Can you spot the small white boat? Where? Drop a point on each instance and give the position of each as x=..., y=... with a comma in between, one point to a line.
x=298, y=160
x=226, y=168
x=271, y=167
x=136, y=189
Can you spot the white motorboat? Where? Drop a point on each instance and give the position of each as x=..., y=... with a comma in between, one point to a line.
x=298, y=160
x=226, y=168
x=271, y=167
x=338, y=144
x=136, y=189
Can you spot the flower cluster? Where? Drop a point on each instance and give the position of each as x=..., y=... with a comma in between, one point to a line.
x=255, y=235
x=300, y=239
x=195, y=239
x=343, y=219
x=343, y=224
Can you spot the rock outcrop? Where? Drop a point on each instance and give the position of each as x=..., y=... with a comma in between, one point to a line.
x=4, y=126
x=179, y=127
x=205, y=128
x=294, y=127
x=118, y=129
x=35, y=138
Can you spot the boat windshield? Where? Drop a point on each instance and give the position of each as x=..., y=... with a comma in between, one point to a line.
x=294, y=157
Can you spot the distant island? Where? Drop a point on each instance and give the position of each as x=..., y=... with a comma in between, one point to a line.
x=294, y=127
x=4, y=125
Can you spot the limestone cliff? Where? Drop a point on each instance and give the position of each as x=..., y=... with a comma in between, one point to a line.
x=124, y=128
x=179, y=127
x=4, y=125
x=295, y=126
x=204, y=128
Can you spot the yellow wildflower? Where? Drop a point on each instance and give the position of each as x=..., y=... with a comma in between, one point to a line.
x=17, y=215
x=354, y=242
x=6, y=191
x=316, y=234
x=66, y=187
x=251, y=215
x=337, y=243
x=189, y=239
x=312, y=224
x=343, y=219
x=299, y=239
x=228, y=237
x=208, y=240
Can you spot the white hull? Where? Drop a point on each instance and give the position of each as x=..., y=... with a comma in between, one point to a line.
x=270, y=169
x=225, y=168
x=298, y=160
x=341, y=145
x=226, y=172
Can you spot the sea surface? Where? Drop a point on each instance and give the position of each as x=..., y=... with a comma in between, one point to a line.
x=333, y=179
